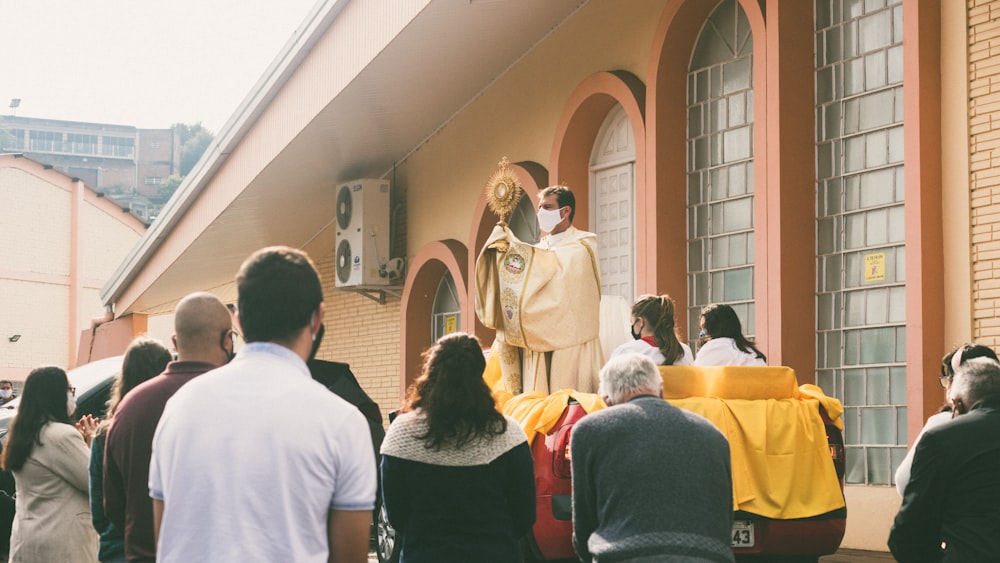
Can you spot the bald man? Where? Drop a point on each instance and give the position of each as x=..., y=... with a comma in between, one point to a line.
x=203, y=337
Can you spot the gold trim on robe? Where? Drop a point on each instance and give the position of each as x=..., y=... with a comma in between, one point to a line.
x=545, y=307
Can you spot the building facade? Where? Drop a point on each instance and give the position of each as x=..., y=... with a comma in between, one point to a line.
x=824, y=166
x=62, y=241
x=118, y=160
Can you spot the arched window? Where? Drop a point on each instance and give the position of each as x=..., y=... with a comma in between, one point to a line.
x=861, y=294
x=720, y=167
x=446, y=313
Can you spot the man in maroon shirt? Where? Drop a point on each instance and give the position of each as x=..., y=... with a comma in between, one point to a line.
x=203, y=338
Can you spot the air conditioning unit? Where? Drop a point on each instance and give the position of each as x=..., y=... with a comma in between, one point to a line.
x=362, y=233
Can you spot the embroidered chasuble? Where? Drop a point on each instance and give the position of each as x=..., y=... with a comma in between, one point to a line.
x=544, y=304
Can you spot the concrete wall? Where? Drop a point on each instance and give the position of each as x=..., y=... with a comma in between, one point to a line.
x=61, y=243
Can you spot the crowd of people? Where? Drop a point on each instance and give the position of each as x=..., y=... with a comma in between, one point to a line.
x=183, y=469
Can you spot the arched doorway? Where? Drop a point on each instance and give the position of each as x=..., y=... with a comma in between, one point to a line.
x=612, y=189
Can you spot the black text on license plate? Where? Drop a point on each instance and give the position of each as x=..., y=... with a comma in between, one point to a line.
x=742, y=535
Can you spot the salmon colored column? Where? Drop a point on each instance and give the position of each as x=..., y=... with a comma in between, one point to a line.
x=785, y=195
x=922, y=212
x=75, y=275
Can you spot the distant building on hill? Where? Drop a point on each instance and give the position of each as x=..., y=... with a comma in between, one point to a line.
x=120, y=161
x=62, y=242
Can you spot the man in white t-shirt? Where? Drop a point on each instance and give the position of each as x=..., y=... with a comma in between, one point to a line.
x=255, y=461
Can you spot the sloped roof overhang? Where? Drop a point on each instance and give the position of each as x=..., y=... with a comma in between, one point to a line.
x=359, y=87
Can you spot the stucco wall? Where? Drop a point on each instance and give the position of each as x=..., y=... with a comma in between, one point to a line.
x=517, y=116
x=35, y=224
x=53, y=262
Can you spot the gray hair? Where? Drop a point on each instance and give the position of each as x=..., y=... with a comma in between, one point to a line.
x=975, y=380
x=627, y=375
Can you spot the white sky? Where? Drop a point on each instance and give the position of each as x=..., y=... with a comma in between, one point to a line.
x=139, y=62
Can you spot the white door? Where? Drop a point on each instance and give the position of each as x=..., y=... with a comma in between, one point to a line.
x=613, y=191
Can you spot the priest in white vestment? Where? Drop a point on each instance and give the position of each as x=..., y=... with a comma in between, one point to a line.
x=543, y=301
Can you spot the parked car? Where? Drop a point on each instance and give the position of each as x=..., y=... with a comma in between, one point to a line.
x=93, y=387
x=754, y=537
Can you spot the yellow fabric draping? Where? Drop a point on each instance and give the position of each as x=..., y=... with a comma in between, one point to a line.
x=778, y=446
x=777, y=439
x=537, y=413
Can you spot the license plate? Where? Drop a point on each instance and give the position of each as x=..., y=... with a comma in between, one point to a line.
x=742, y=535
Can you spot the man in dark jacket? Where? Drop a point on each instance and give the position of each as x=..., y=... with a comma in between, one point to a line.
x=951, y=506
x=651, y=482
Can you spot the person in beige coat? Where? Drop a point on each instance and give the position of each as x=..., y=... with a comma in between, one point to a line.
x=49, y=459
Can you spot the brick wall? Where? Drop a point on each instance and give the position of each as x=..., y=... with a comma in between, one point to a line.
x=984, y=166
x=364, y=334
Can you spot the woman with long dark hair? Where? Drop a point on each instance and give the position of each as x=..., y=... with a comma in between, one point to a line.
x=144, y=358
x=48, y=457
x=457, y=476
x=654, y=333
x=725, y=344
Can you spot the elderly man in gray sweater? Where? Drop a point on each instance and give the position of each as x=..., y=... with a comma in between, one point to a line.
x=651, y=482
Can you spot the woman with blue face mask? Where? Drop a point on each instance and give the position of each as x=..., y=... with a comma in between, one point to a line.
x=654, y=333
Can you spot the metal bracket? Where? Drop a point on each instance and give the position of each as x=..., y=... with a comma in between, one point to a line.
x=378, y=295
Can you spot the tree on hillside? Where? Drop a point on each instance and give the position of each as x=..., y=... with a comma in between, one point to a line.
x=167, y=188
x=194, y=141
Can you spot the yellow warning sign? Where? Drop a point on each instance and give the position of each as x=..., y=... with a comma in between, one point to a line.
x=450, y=324
x=875, y=267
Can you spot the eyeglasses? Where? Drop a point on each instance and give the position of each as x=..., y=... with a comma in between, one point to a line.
x=230, y=333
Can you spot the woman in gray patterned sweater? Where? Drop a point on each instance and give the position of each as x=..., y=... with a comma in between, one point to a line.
x=457, y=476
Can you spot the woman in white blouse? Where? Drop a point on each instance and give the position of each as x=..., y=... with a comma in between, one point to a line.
x=725, y=344
x=654, y=333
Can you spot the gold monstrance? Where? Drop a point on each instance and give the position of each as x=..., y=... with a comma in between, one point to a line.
x=503, y=191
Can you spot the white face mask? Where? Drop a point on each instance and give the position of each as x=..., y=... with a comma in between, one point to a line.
x=70, y=404
x=548, y=219
x=6, y=393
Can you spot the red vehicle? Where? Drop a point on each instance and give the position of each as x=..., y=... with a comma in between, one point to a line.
x=551, y=537
x=754, y=537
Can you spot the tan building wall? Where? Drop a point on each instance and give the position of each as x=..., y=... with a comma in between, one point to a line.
x=61, y=243
x=984, y=165
x=518, y=115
